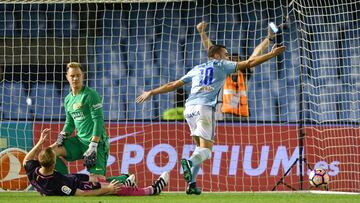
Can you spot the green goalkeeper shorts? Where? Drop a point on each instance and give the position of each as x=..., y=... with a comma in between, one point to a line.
x=75, y=150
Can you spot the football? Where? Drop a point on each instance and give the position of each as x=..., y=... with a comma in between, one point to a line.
x=318, y=177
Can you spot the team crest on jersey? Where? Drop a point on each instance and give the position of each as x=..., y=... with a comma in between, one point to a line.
x=65, y=189
x=77, y=106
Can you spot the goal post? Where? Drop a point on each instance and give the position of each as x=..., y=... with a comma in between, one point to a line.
x=126, y=47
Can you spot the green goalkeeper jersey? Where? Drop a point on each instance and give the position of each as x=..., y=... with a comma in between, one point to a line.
x=84, y=112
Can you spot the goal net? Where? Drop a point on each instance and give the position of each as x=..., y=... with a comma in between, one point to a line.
x=303, y=104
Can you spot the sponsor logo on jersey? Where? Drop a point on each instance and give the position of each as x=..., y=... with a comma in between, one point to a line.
x=78, y=116
x=202, y=89
x=12, y=172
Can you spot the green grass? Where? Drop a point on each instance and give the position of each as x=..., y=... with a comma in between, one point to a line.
x=270, y=197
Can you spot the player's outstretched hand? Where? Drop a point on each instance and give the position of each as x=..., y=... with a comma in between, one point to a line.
x=113, y=187
x=43, y=136
x=90, y=155
x=276, y=49
x=201, y=26
x=270, y=35
x=61, y=139
x=90, y=159
x=143, y=97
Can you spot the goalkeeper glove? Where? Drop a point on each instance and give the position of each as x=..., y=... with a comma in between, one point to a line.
x=90, y=155
x=61, y=138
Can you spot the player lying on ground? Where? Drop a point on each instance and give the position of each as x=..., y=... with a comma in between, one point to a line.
x=49, y=182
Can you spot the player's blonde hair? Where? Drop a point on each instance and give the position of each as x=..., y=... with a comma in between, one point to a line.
x=74, y=65
x=47, y=157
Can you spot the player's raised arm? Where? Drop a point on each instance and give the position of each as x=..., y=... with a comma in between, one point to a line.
x=171, y=86
x=32, y=153
x=259, y=49
x=256, y=60
x=201, y=27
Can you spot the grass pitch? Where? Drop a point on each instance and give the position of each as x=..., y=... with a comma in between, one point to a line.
x=166, y=197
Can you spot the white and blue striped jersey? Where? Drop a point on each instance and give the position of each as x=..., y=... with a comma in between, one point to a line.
x=207, y=79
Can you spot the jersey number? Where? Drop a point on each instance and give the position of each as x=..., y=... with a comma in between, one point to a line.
x=206, y=76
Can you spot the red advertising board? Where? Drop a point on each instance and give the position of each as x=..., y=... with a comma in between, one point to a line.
x=244, y=158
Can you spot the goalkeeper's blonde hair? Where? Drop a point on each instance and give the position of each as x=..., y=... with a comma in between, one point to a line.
x=47, y=157
x=74, y=65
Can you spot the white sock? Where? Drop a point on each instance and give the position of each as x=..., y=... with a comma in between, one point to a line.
x=194, y=172
x=200, y=155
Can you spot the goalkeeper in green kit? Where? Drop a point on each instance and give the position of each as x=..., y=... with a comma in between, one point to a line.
x=84, y=112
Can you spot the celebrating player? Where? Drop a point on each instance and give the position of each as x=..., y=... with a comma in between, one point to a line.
x=49, y=182
x=207, y=80
x=84, y=112
x=237, y=109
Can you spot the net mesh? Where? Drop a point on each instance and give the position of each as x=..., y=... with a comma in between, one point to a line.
x=311, y=90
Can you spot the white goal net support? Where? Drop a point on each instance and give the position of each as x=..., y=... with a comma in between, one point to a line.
x=304, y=104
